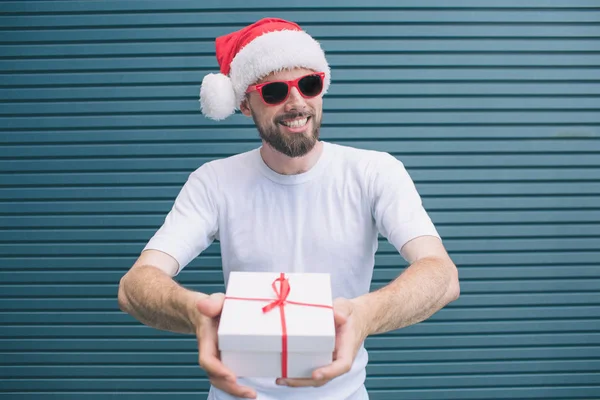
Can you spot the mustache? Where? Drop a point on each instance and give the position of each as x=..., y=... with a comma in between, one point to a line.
x=293, y=115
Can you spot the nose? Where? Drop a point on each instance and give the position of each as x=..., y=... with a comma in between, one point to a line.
x=295, y=101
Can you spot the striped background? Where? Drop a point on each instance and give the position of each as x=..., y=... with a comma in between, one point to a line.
x=493, y=106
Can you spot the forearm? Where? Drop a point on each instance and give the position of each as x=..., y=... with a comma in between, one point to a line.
x=420, y=291
x=155, y=299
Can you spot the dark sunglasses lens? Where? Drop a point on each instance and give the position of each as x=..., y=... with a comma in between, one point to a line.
x=275, y=92
x=311, y=85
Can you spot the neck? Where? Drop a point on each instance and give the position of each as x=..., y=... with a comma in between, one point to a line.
x=285, y=165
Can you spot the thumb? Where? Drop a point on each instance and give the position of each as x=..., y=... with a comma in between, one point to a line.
x=342, y=309
x=212, y=305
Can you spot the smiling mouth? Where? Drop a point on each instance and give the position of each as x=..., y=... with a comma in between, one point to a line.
x=295, y=123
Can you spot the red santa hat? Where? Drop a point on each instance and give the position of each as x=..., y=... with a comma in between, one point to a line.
x=247, y=55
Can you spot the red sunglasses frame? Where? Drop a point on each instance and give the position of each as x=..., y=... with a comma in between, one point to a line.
x=290, y=84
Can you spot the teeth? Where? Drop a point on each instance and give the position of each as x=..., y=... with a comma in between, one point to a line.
x=297, y=123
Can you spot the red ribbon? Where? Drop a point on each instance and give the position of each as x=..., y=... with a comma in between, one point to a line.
x=281, y=301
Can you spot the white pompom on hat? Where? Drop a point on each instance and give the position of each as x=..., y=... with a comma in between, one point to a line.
x=247, y=55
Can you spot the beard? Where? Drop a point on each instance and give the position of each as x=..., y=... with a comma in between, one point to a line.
x=292, y=145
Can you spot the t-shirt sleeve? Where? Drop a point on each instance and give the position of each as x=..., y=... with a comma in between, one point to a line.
x=395, y=203
x=191, y=225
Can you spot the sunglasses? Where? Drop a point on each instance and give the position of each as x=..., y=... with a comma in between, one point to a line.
x=276, y=92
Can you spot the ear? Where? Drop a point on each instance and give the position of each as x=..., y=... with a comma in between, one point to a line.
x=245, y=107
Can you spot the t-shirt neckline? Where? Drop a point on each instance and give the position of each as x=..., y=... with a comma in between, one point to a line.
x=295, y=179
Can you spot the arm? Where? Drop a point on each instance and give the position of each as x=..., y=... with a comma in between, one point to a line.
x=149, y=294
x=426, y=286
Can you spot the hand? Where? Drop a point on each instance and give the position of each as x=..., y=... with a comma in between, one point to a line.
x=220, y=376
x=349, y=335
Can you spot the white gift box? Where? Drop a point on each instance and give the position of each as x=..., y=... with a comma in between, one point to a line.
x=251, y=340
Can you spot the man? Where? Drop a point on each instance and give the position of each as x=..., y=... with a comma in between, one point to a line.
x=296, y=204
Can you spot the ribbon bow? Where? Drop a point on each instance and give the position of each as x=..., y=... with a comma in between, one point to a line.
x=281, y=300
x=282, y=293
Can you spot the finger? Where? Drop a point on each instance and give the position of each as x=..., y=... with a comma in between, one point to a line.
x=209, y=352
x=299, y=382
x=212, y=305
x=233, y=388
x=214, y=367
x=339, y=366
x=344, y=356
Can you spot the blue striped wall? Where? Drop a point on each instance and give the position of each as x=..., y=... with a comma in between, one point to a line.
x=493, y=106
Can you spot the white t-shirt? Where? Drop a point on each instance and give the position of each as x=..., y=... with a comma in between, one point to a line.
x=324, y=220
